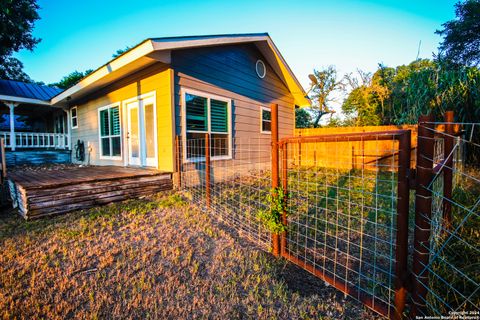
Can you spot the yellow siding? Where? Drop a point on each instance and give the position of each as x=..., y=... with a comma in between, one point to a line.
x=165, y=123
x=156, y=79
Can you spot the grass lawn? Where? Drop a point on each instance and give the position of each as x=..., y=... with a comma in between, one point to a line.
x=151, y=258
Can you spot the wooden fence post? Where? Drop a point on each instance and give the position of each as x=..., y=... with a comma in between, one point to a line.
x=447, y=170
x=403, y=205
x=423, y=214
x=179, y=161
x=207, y=169
x=275, y=171
x=283, y=242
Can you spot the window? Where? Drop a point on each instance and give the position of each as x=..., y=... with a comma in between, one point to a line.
x=110, y=136
x=266, y=120
x=207, y=114
x=74, y=117
x=261, y=69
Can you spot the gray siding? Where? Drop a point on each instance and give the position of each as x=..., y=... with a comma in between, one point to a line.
x=229, y=71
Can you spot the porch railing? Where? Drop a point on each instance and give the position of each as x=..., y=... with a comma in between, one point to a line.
x=37, y=140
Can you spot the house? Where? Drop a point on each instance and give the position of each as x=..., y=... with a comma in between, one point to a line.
x=128, y=111
x=148, y=107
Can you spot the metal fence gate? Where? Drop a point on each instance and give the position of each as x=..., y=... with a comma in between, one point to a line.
x=349, y=214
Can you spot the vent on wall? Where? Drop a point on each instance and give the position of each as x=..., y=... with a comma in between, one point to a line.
x=260, y=68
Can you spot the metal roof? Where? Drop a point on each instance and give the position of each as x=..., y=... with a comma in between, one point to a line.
x=27, y=90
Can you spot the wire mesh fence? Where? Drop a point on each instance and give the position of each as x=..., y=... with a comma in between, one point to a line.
x=348, y=215
x=239, y=181
x=342, y=218
x=452, y=285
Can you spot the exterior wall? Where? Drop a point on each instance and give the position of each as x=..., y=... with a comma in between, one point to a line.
x=157, y=78
x=229, y=71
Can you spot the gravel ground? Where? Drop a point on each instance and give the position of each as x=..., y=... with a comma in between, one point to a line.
x=156, y=257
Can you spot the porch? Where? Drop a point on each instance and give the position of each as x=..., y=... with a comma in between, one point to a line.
x=51, y=191
x=28, y=120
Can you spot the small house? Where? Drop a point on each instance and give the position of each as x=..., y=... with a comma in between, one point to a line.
x=150, y=108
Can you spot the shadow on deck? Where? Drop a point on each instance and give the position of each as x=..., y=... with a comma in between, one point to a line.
x=51, y=192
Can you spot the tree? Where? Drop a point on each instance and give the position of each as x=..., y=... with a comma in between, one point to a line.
x=119, y=52
x=400, y=95
x=12, y=69
x=302, y=119
x=17, y=19
x=365, y=105
x=71, y=79
x=323, y=92
x=461, y=36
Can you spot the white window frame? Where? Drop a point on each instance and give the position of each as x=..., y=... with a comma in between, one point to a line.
x=72, y=117
x=101, y=156
x=261, y=120
x=208, y=96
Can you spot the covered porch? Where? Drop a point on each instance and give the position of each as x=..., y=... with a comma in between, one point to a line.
x=30, y=127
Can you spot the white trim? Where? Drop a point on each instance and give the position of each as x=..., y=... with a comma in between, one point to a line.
x=72, y=117
x=135, y=161
x=23, y=100
x=262, y=108
x=145, y=101
x=102, y=157
x=141, y=50
x=208, y=96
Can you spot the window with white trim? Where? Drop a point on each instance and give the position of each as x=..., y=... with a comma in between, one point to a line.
x=74, y=117
x=265, y=120
x=110, y=133
x=207, y=114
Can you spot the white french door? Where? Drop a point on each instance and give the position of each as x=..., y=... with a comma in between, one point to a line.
x=142, y=132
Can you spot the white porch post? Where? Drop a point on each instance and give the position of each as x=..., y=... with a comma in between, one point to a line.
x=68, y=127
x=13, y=141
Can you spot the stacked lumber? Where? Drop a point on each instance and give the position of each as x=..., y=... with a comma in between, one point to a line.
x=44, y=197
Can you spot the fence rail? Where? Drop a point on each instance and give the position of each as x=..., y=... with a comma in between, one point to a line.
x=353, y=225
x=37, y=140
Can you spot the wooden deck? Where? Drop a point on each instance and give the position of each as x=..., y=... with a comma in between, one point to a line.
x=50, y=192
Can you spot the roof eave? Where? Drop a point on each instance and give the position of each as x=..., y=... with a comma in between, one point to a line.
x=149, y=46
x=123, y=60
x=15, y=99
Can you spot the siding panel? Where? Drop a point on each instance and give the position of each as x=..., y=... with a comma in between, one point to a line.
x=229, y=71
x=157, y=78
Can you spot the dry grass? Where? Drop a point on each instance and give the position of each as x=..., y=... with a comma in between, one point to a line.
x=151, y=258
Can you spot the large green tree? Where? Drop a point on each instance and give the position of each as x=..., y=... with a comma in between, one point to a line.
x=400, y=95
x=71, y=79
x=17, y=19
x=461, y=36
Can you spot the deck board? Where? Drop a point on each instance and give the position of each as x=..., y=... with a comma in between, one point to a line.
x=47, y=192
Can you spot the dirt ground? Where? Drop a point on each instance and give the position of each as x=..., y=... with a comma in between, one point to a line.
x=157, y=258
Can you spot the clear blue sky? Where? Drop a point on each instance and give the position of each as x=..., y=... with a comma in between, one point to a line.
x=78, y=35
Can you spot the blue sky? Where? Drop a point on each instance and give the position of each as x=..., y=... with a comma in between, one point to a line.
x=78, y=35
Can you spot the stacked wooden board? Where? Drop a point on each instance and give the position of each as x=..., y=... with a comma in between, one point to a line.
x=51, y=192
